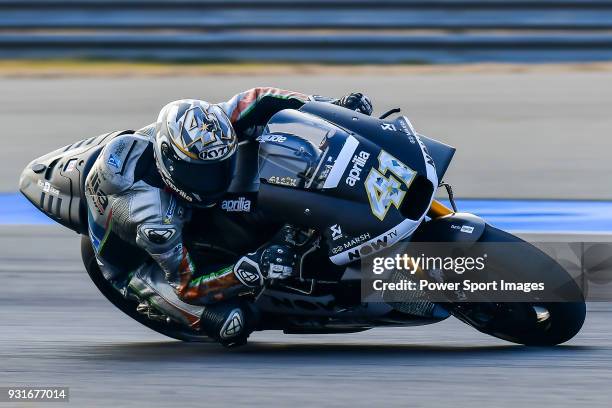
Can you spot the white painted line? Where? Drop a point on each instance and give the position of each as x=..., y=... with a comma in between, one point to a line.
x=341, y=163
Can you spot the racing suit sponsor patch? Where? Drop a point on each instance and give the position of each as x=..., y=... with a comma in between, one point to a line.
x=169, y=215
x=98, y=196
x=114, y=161
x=159, y=235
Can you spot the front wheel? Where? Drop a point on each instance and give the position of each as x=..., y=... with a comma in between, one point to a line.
x=532, y=324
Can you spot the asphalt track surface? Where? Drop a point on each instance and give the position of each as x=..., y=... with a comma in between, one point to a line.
x=551, y=138
x=58, y=330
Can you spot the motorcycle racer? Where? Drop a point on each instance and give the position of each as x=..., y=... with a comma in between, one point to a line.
x=140, y=193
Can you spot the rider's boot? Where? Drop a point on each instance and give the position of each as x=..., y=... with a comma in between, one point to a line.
x=158, y=299
x=230, y=323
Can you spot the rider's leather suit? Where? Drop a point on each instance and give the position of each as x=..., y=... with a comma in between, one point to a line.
x=134, y=219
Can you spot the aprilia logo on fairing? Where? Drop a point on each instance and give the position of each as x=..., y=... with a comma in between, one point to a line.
x=239, y=205
x=359, y=161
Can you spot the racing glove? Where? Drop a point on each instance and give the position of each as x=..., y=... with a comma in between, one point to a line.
x=356, y=101
x=276, y=261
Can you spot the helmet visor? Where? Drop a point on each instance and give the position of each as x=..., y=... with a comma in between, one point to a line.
x=208, y=179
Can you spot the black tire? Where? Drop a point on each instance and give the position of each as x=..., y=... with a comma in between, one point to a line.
x=172, y=330
x=518, y=322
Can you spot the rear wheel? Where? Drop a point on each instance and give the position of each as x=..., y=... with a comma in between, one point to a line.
x=127, y=306
x=534, y=324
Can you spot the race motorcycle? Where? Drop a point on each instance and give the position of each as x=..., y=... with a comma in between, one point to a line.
x=356, y=184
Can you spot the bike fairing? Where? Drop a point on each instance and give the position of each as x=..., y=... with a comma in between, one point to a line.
x=385, y=186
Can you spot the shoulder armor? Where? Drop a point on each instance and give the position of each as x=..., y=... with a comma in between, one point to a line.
x=148, y=132
x=117, y=161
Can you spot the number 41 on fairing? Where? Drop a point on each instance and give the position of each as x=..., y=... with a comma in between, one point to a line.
x=385, y=191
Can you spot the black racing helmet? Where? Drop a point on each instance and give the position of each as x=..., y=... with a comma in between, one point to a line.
x=195, y=150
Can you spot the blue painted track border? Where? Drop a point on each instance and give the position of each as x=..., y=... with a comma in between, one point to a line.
x=543, y=216
x=528, y=216
x=15, y=209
